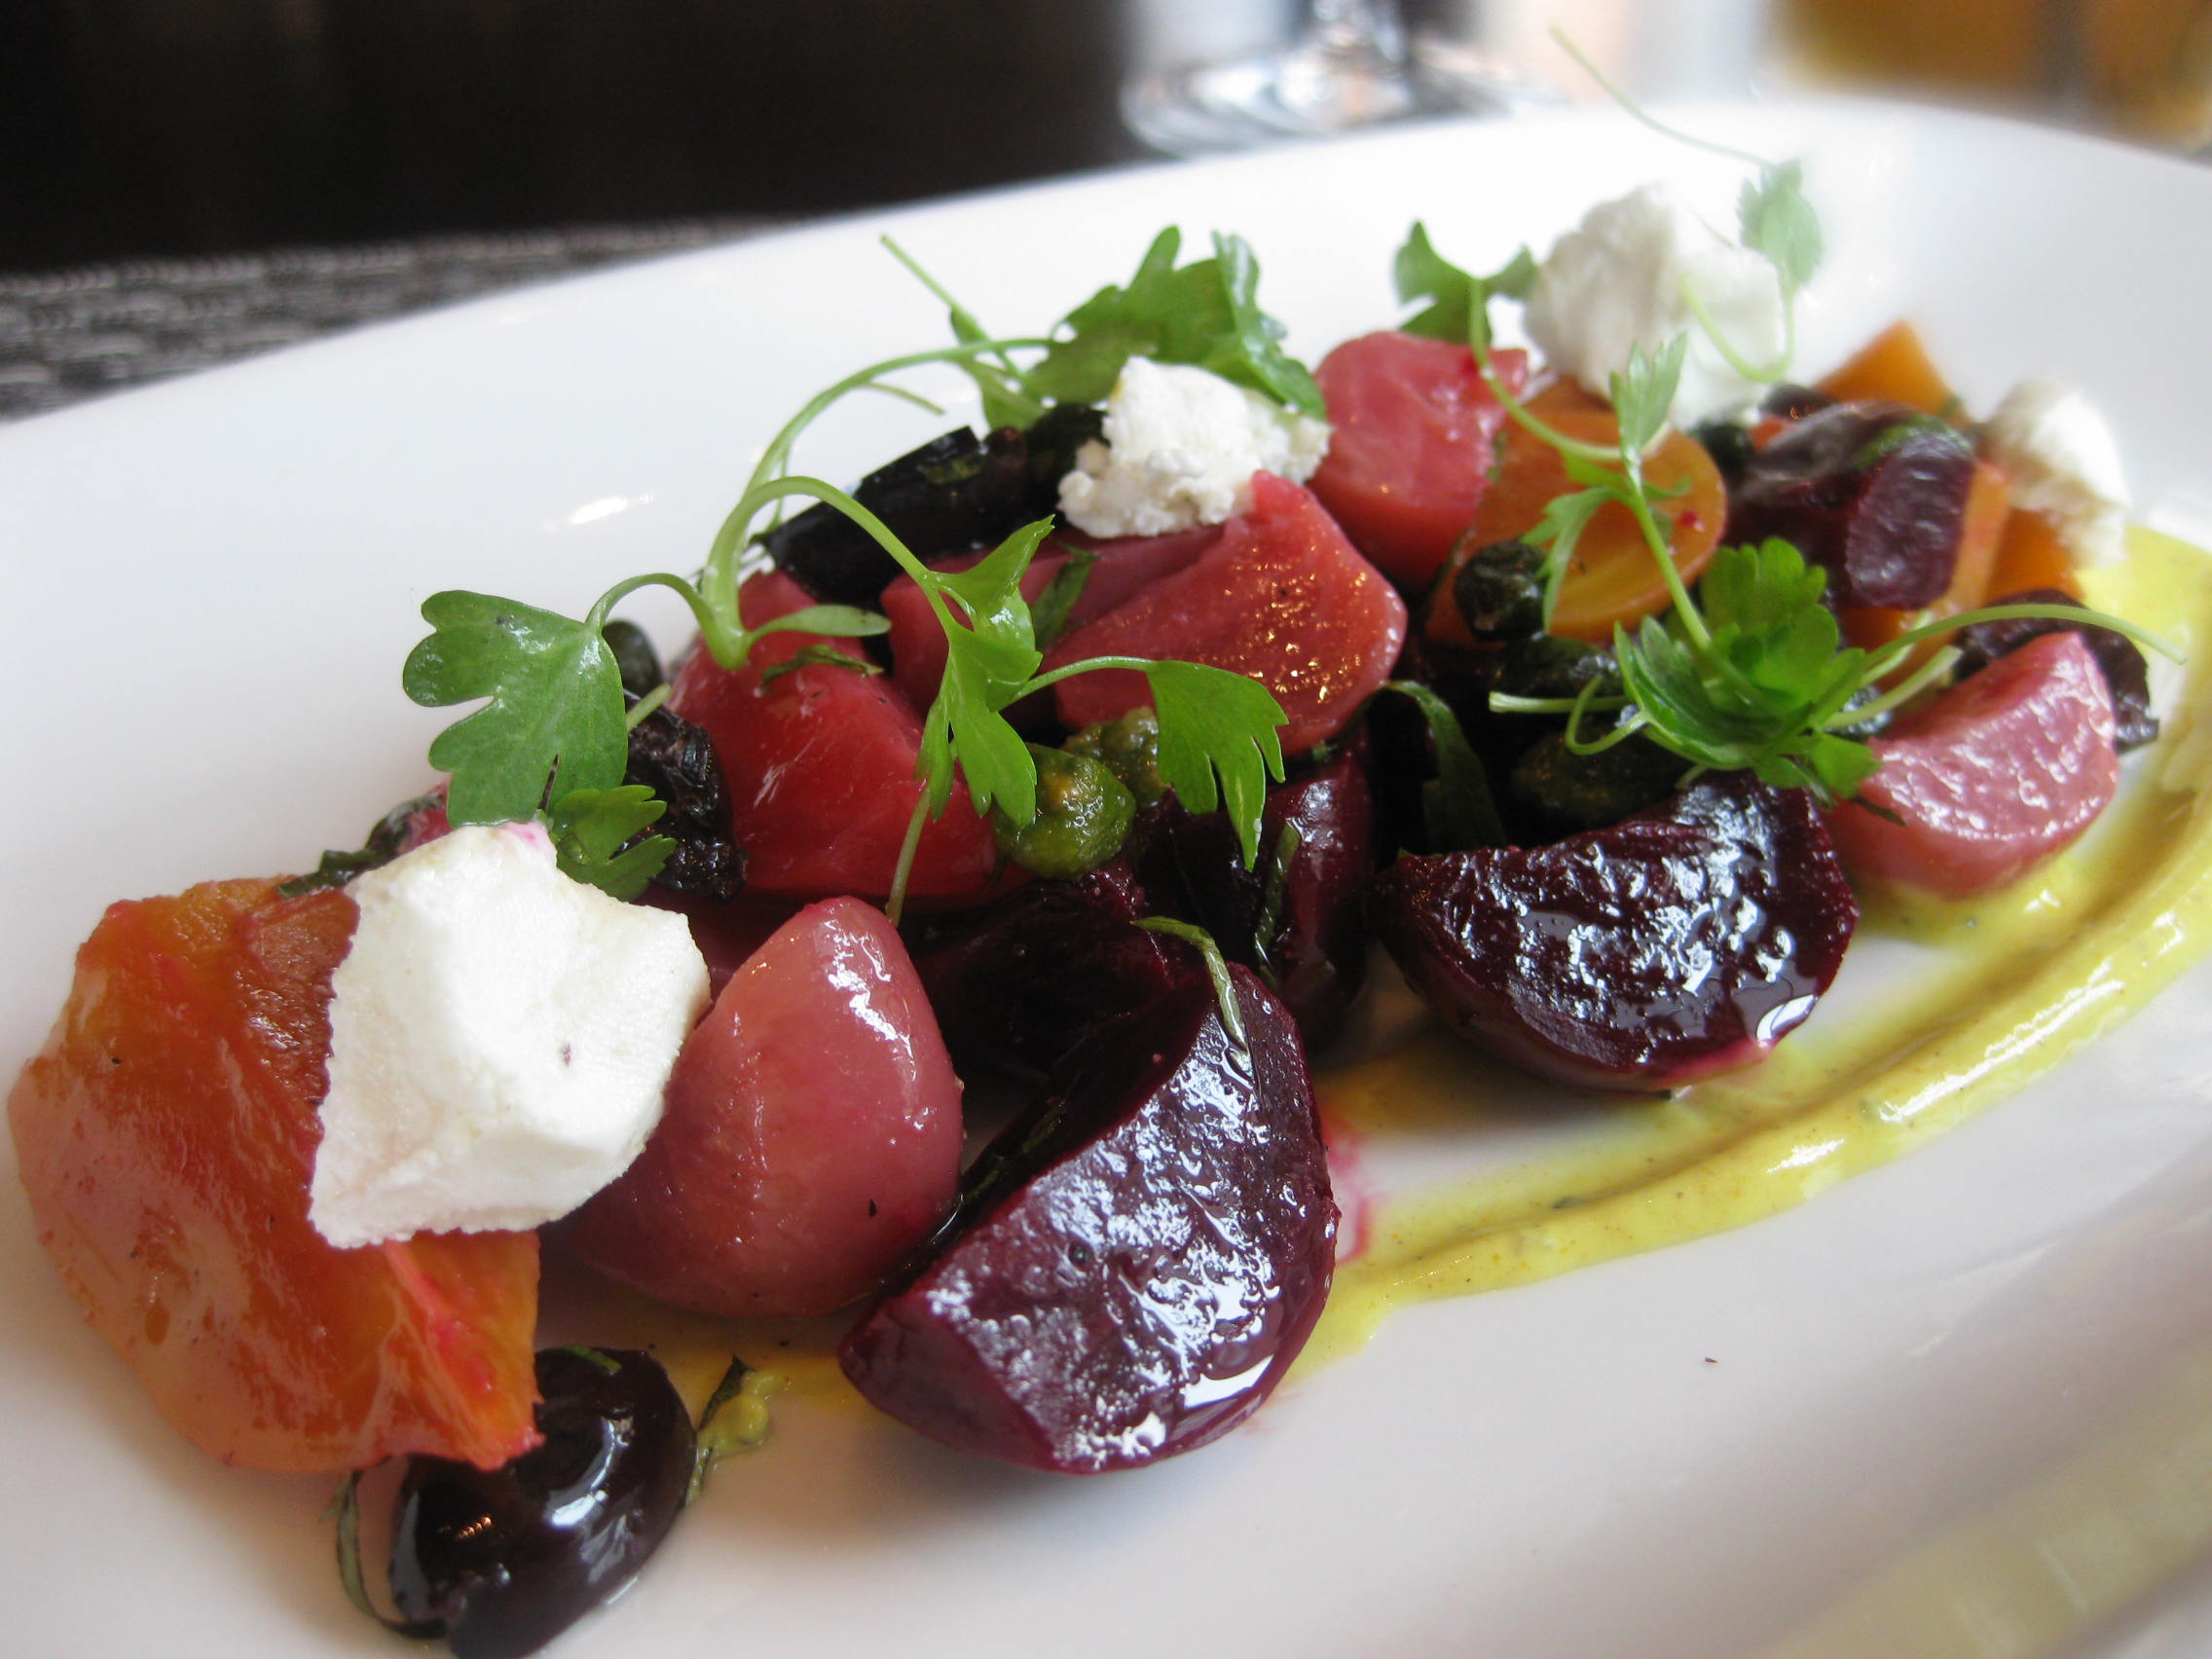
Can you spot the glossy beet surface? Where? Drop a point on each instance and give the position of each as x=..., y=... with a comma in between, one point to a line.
x=1874, y=493
x=811, y=1135
x=1685, y=940
x=1280, y=596
x=1137, y=1262
x=2127, y=677
x=1414, y=445
x=1988, y=778
x=507, y=1559
x=1303, y=918
x=1019, y=981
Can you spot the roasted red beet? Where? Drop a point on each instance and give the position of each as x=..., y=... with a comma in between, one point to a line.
x=1281, y=597
x=1989, y=777
x=1137, y=1262
x=1312, y=912
x=1017, y=982
x=2126, y=675
x=1414, y=446
x=1874, y=493
x=1685, y=940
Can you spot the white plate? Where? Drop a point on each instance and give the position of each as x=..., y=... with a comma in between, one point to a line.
x=1958, y=1406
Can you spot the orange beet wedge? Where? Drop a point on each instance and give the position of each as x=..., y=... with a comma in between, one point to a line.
x=166, y=1133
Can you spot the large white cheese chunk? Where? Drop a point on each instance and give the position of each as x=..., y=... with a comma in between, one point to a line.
x=1180, y=450
x=500, y=1039
x=1621, y=279
x=2064, y=464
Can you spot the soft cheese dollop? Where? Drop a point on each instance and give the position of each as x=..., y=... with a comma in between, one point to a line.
x=1620, y=278
x=500, y=1039
x=2064, y=464
x=1180, y=450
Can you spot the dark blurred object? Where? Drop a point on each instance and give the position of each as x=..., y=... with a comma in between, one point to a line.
x=131, y=127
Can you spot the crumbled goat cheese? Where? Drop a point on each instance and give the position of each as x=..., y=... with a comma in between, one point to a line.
x=2064, y=464
x=500, y=1039
x=1180, y=450
x=1617, y=280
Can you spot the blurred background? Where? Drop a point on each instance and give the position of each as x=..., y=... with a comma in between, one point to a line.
x=438, y=146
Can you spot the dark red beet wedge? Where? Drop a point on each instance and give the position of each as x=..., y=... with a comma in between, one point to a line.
x=1137, y=1262
x=1875, y=492
x=1313, y=910
x=1017, y=982
x=1682, y=941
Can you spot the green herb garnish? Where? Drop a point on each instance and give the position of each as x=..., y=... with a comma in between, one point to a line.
x=553, y=724
x=1205, y=314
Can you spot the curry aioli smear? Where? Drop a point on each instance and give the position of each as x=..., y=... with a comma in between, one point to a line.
x=1980, y=996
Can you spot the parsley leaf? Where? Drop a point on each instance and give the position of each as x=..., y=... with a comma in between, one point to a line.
x=989, y=662
x=554, y=715
x=1205, y=313
x=1215, y=722
x=589, y=828
x=818, y=655
x=1459, y=301
x=1645, y=390
x=1050, y=610
x=1774, y=218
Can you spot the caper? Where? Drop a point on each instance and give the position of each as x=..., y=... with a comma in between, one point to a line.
x=1128, y=747
x=1544, y=665
x=1084, y=814
x=1567, y=792
x=1499, y=590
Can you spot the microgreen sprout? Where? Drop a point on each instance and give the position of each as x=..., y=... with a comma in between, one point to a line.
x=551, y=741
x=1755, y=677
x=1217, y=969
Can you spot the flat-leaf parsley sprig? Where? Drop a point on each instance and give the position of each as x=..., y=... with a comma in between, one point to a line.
x=1205, y=314
x=551, y=739
x=1758, y=677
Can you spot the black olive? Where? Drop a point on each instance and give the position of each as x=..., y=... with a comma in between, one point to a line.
x=507, y=1559
x=1544, y=665
x=1730, y=446
x=676, y=759
x=1790, y=402
x=635, y=658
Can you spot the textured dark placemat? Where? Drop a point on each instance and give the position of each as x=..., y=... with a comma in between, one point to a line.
x=69, y=335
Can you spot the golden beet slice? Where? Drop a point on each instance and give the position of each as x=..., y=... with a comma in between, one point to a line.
x=165, y=1135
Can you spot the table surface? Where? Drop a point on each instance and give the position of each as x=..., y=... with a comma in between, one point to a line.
x=74, y=334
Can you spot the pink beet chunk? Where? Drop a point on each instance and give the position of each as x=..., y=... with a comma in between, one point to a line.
x=1281, y=597
x=812, y=1133
x=1999, y=772
x=1414, y=446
